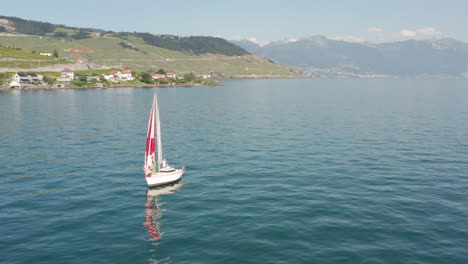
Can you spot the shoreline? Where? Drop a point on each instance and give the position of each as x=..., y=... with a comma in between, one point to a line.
x=43, y=87
x=271, y=76
x=218, y=83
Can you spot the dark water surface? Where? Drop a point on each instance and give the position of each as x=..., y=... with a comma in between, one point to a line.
x=278, y=171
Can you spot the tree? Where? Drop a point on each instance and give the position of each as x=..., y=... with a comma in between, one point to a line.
x=61, y=34
x=2, y=29
x=162, y=71
x=82, y=34
x=2, y=77
x=193, y=45
x=30, y=27
x=48, y=80
x=163, y=81
x=56, y=55
x=146, y=78
x=189, y=77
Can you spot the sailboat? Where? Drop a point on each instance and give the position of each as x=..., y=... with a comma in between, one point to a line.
x=157, y=170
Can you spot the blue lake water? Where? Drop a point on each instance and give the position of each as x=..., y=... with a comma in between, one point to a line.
x=278, y=171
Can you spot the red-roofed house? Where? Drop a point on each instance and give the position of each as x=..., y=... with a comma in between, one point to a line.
x=127, y=74
x=113, y=76
x=119, y=76
x=171, y=75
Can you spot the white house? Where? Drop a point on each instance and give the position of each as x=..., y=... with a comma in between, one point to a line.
x=113, y=76
x=66, y=75
x=45, y=53
x=118, y=76
x=25, y=78
x=171, y=75
x=204, y=76
x=156, y=76
x=127, y=75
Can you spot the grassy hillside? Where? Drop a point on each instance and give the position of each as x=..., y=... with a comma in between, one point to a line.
x=140, y=51
x=133, y=52
x=13, y=58
x=31, y=64
x=19, y=54
x=193, y=45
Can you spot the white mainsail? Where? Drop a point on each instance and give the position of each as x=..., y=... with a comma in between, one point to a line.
x=158, y=135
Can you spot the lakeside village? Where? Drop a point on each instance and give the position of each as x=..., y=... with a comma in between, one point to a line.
x=102, y=78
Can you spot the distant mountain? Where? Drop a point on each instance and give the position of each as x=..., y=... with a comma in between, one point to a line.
x=248, y=45
x=443, y=56
x=412, y=57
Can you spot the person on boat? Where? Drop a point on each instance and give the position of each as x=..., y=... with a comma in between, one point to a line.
x=164, y=163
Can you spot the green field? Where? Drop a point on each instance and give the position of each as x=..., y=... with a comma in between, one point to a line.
x=13, y=58
x=139, y=56
x=19, y=54
x=31, y=64
x=69, y=31
x=95, y=72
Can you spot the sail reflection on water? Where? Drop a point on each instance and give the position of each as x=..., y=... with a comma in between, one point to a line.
x=152, y=214
x=153, y=211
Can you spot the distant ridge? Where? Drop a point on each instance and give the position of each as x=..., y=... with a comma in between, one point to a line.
x=318, y=54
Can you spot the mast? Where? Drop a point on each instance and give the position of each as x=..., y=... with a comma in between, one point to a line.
x=158, y=134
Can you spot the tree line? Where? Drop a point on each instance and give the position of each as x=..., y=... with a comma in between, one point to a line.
x=194, y=44
x=30, y=27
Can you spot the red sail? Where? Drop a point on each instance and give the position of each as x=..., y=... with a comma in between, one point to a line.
x=150, y=157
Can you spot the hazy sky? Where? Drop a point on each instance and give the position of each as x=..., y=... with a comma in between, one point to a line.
x=261, y=20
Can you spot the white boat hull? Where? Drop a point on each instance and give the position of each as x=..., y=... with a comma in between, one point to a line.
x=160, y=178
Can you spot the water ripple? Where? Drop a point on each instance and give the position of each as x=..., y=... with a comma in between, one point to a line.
x=278, y=171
